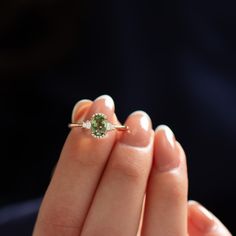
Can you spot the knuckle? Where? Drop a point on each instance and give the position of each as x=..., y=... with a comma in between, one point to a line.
x=101, y=231
x=176, y=186
x=85, y=156
x=87, y=161
x=131, y=165
x=178, y=193
x=56, y=223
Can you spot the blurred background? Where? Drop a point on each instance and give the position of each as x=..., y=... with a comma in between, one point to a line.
x=174, y=59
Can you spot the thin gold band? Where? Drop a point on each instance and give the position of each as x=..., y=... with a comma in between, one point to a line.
x=80, y=125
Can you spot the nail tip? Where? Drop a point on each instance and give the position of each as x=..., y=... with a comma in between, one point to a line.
x=166, y=152
x=141, y=112
x=138, y=134
x=163, y=127
x=192, y=202
x=169, y=133
x=108, y=100
x=104, y=96
x=147, y=122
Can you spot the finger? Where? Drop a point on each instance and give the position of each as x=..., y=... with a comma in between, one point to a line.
x=166, y=196
x=141, y=219
x=79, y=112
x=79, y=109
x=117, y=205
x=78, y=171
x=201, y=222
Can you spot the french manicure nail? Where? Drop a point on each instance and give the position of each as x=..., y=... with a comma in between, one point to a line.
x=108, y=101
x=140, y=130
x=103, y=104
x=166, y=155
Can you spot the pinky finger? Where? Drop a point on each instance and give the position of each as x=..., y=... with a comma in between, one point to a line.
x=201, y=222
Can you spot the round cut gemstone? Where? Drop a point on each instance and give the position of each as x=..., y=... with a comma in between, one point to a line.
x=98, y=125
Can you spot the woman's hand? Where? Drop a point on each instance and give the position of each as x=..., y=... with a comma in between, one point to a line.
x=128, y=183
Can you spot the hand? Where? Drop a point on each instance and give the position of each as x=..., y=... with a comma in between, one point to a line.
x=101, y=187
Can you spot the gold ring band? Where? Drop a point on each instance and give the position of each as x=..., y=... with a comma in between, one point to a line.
x=99, y=125
x=80, y=124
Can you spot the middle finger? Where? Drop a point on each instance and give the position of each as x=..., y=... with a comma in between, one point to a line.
x=117, y=205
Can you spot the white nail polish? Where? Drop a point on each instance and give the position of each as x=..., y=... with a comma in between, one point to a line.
x=108, y=100
x=144, y=121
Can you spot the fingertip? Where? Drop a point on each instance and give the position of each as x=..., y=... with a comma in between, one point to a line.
x=166, y=153
x=108, y=101
x=204, y=221
x=103, y=104
x=81, y=104
x=164, y=128
x=192, y=203
x=140, y=130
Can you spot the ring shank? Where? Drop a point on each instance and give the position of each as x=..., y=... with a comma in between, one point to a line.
x=80, y=124
x=121, y=127
x=73, y=125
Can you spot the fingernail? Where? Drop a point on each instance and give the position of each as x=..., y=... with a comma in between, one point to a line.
x=140, y=130
x=166, y=155
x=78, y=109
x=103, y=104
x=201, y=218
x=108, y=101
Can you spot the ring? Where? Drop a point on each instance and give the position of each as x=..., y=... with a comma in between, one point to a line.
x=99, y=125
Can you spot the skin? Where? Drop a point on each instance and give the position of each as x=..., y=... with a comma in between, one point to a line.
x=128, y=183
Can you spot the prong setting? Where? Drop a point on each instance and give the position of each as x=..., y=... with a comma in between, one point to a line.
x=98, y=125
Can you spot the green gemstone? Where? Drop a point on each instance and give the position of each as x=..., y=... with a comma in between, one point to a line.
x=98, y=125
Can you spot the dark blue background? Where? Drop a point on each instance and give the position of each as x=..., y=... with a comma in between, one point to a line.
x=175, y=60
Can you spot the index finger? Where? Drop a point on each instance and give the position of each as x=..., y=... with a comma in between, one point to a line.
x=76, y=177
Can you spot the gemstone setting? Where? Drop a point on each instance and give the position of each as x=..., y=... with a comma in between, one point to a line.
x=86, y=124
x=99, y=125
